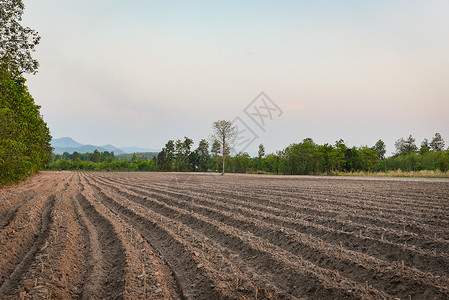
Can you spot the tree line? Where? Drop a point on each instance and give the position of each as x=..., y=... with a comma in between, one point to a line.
x=24, y=136
x=308, y=157
x=304, y=158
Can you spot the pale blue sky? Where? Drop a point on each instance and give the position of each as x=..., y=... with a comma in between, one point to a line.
x=142, y=72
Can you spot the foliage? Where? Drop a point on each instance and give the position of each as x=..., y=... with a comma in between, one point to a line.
x=16, y=42
x=99, y=161
x=380, y=149
x=182, y=152
x=261, y=152
x=139, y=155
x=24, y=136
x=406, y=146
x=437, y=143
x=425, y=147
x=203, y=155
x=430, y=160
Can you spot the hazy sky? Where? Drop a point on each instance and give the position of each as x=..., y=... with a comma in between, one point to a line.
x=141, y=72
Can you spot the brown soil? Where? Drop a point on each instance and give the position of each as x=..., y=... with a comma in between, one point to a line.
x=66, y=235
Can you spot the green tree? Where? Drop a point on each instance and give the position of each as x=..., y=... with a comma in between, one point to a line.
x=369, y=159
x=203, y=155
x=340, y=158
x=182, y=151
x=406, y=146
x=75, y=156
x=178, y=153
x=425, y=147
x=273, y=163
x=16, y=42
x=186, y=151
x=224, y=133
x=24, y=136
x=215, y=161
x=261, y=152
x=162, y=159
x=241, y=162
x=215, y=150
x=96, y=156
x=437, y=143
x=194, y=161
x=380, y=149
x=169, y=153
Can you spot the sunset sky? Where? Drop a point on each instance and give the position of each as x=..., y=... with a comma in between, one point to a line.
x=138, y=73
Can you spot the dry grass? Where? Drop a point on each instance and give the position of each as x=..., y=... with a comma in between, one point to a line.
x=397, y=173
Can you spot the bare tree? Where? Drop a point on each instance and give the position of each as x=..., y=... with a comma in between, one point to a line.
x=225, y=134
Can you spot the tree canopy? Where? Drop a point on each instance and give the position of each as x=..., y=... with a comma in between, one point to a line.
x=24, y=136
x=16, y=42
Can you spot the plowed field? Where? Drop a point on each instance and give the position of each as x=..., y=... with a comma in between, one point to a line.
x=66, y=235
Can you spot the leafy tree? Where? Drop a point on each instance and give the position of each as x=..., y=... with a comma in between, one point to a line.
x=75, y=156
x=437, y=143
x=182, y=151
x=339, y=158
x=178, y=153
x=16, y=42
x=66, y=155
x=369, y=159
x=169, y=155
x=242, y=161
x=224, y=133
x=194, y=161
x=380, y=149
x=144, y=165
x=162, y=159
x=326, y=155
x=352, y=160
x=203, y=155
x=215, y=150
x=186, y=148
x=273, y=163
x=261, y=152
x=24, y=136
x=216, y=160
x=96, y=156
x=405, y=146
x=425, y=147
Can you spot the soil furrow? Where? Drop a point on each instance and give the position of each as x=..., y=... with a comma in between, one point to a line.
x=264, y=260
x=423, y=260
x=317, y=207
x=129, y=235
x=106, y=263
x=13, y=280
x=191, y=275
x=365, y=269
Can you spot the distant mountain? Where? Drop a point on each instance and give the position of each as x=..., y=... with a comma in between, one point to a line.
x=138, y=150
x=110, y=148
x=67, y=144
